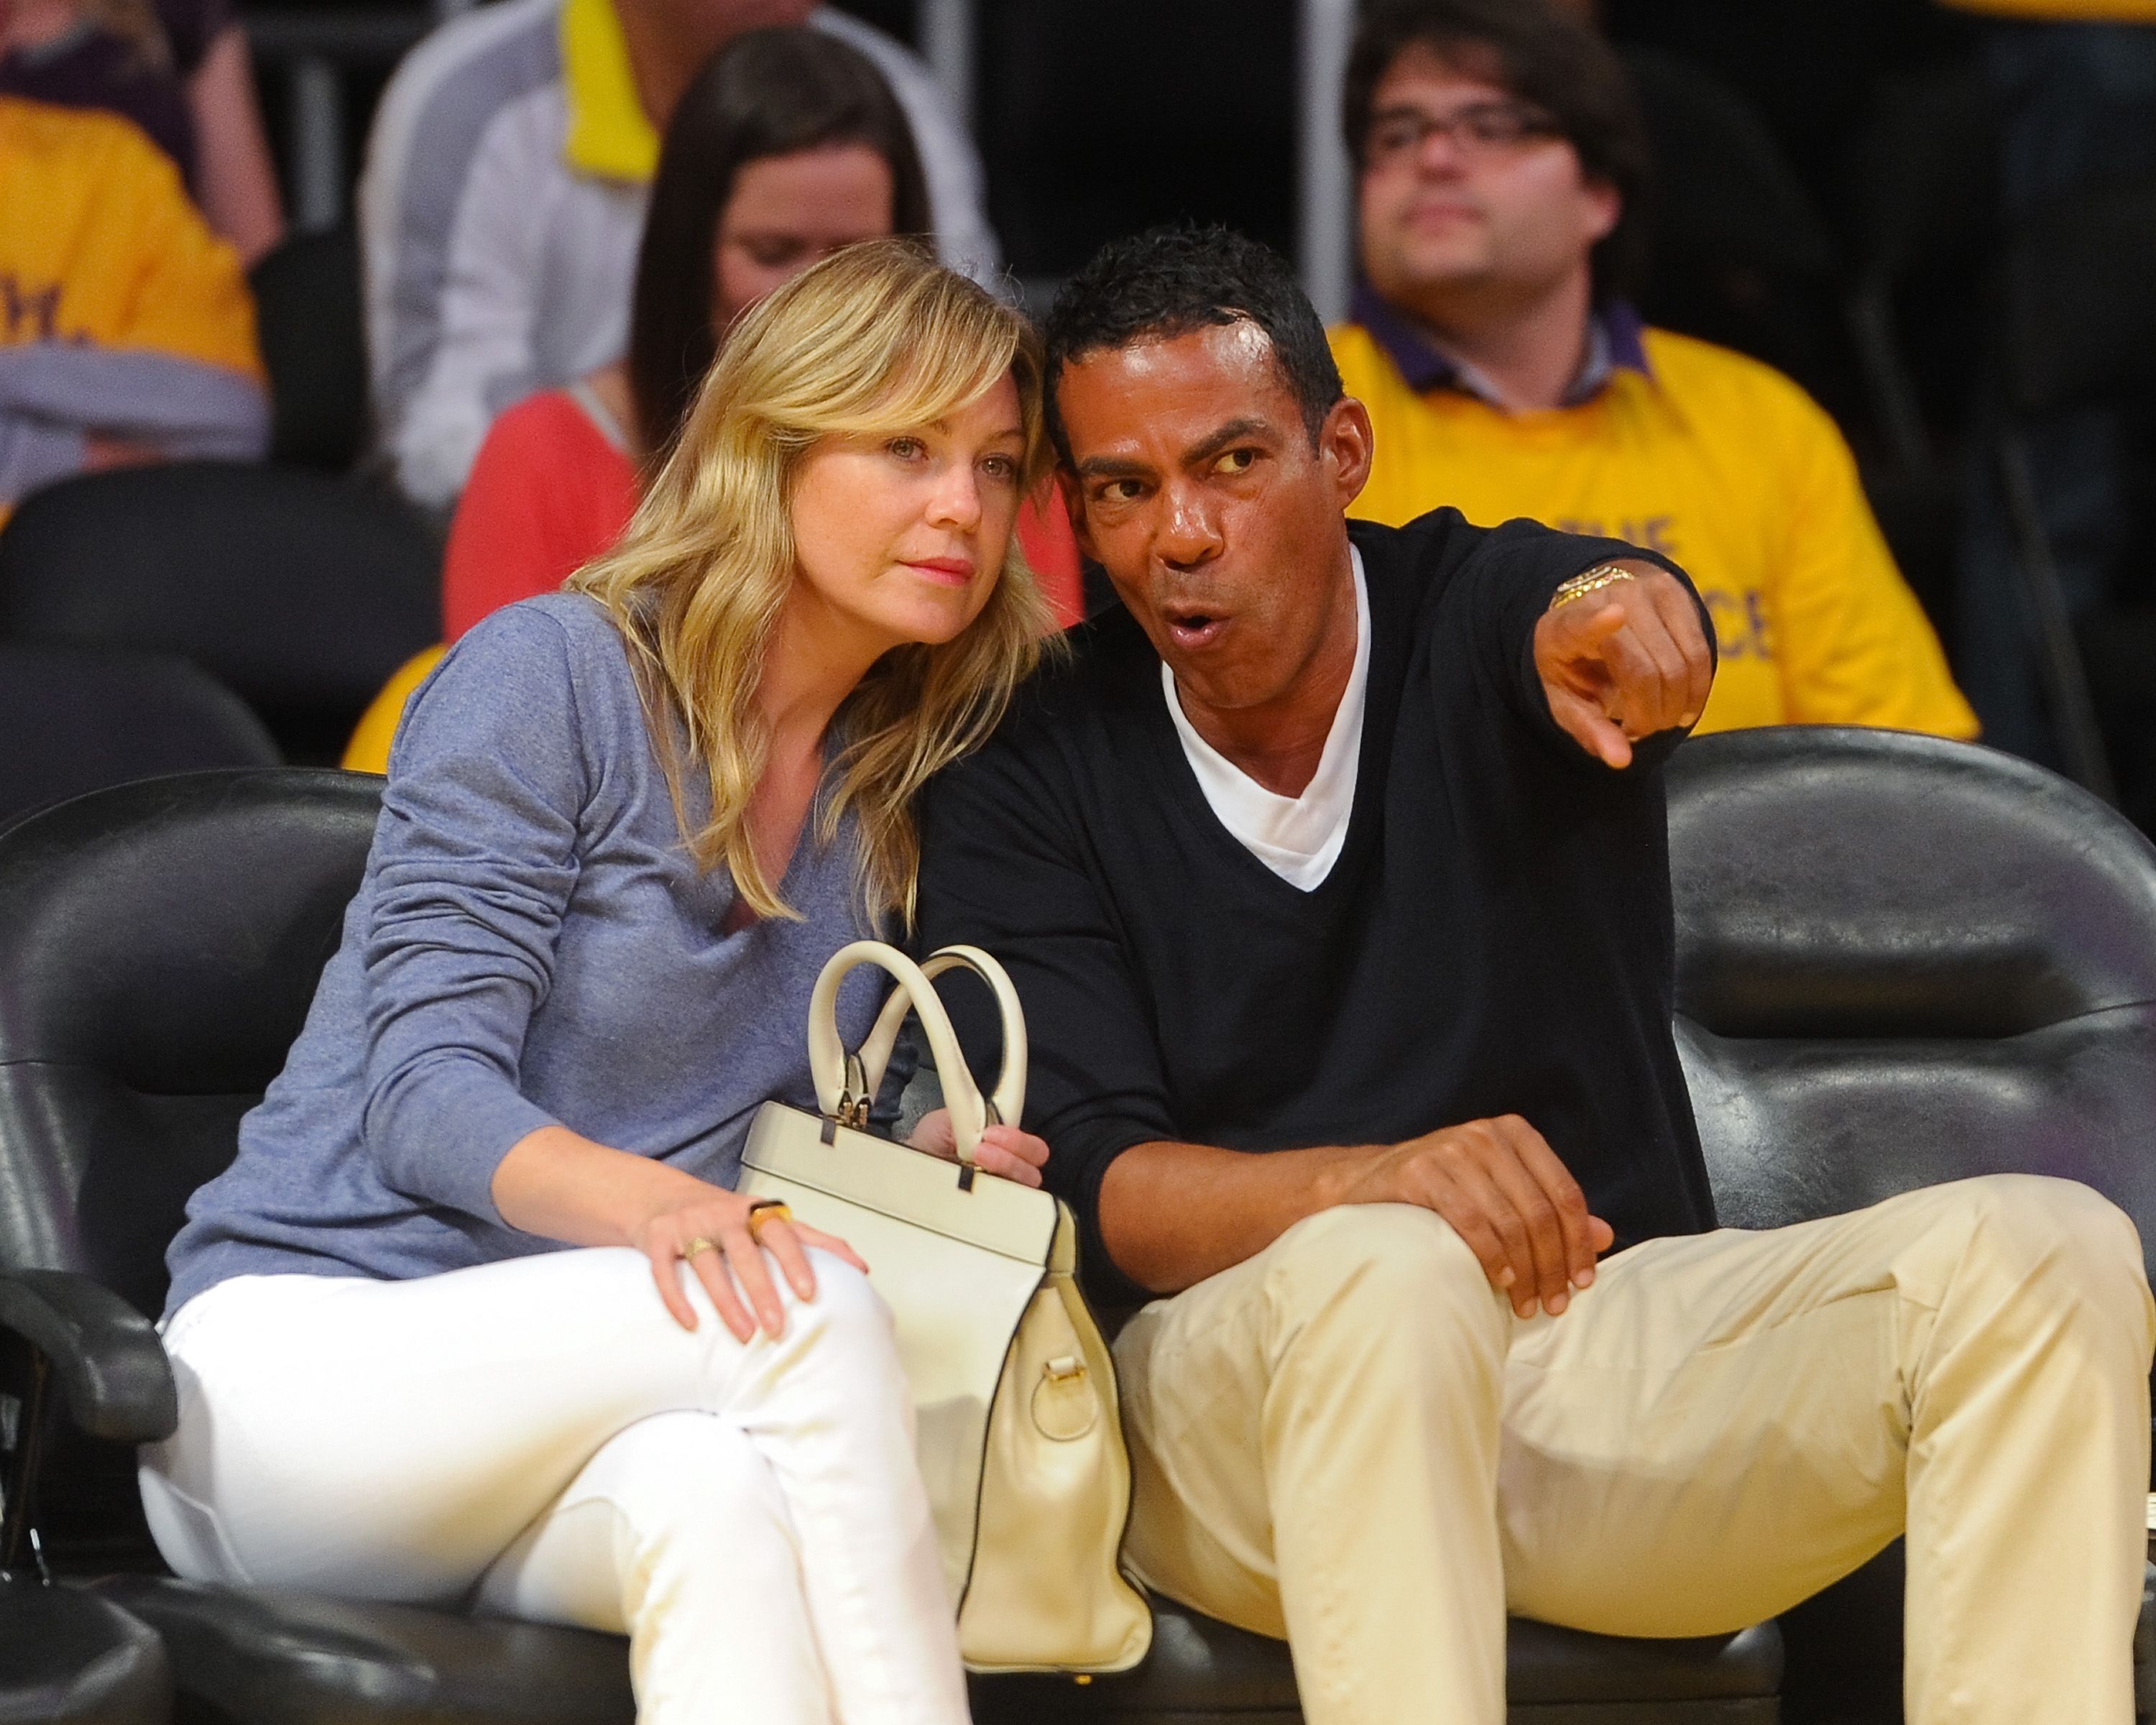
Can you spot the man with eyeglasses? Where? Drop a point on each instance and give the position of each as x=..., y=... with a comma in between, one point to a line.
x=1502, y=162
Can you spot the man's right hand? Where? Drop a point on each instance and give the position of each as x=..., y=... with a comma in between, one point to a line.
x=1505, y=1194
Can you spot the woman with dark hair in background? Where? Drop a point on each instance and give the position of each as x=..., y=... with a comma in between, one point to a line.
x=179, y=69
x=788, y=146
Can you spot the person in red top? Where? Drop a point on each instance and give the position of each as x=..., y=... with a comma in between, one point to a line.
x=788, y=147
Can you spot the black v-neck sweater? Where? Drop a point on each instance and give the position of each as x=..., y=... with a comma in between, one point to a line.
x=1495, y=937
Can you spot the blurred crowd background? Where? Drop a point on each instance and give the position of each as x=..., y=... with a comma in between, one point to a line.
x=234, y=464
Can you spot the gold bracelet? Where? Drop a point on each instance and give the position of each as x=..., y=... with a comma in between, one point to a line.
x=1587, y=581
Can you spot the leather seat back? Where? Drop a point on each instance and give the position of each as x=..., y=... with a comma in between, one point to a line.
x=1902, y=961
x=300, y=591
x=160, y=944
x=78, y=719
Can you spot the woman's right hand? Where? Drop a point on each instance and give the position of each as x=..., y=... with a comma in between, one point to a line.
x=562, y=1186
x=728, y=1259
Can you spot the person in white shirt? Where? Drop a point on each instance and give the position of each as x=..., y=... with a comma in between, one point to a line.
x=504, y=196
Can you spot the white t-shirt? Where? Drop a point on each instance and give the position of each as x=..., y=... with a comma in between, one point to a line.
x=1297, y=838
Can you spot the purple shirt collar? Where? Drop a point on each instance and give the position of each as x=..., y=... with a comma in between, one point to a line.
x=1614, y=344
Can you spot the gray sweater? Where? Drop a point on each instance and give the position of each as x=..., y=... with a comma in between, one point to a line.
x=530, y=945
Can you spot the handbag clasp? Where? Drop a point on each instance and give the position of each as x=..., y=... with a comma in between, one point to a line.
x=853, y=1100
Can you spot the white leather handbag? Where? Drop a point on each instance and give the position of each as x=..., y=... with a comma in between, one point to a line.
x=1021, y=1439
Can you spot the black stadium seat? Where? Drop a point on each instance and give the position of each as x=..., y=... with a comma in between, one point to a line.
x=1901, y=961
x=80, y=718
x=68, y=1657
x=300, y=591
x=308, y=317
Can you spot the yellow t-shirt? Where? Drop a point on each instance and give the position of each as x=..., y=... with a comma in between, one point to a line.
x=99, y=244
x=2116, y=11
x=368, y=750
x=1714, y=460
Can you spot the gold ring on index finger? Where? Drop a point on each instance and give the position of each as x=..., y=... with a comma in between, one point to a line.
x=769, y=1209
x=691, y=1248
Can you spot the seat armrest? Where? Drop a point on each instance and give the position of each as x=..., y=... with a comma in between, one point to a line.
x=107, y=1361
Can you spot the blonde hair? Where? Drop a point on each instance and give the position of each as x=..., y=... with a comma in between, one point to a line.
x=875, y=339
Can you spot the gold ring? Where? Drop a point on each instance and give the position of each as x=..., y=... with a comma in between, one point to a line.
x=698, y=1244
x=770, y=1209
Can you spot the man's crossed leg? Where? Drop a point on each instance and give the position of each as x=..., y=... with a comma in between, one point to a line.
x=1351, y=1441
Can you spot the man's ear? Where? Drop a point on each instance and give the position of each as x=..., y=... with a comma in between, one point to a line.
x=1605, y=207
x=1074, y=505
x=1347, y=444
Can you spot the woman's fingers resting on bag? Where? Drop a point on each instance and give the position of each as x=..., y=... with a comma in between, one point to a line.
x=1004, y=1151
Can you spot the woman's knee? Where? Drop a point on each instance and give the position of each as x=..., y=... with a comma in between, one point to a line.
x=681, y=1473
x=844, y=1311
x=844, y=1307
x=841, y=1345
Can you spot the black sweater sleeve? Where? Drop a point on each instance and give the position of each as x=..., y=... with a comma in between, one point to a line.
x=1004, y=867
x=1493, y=601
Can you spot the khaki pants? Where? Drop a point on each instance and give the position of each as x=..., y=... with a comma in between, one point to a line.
x=1350, y=1440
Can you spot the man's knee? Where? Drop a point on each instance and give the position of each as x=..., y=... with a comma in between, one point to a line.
x=1396, y=1266
x=2029, y=1229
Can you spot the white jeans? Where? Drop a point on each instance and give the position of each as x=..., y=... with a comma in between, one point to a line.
x=538, y=1439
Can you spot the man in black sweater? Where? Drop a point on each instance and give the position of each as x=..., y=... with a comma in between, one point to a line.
x=1333, y=873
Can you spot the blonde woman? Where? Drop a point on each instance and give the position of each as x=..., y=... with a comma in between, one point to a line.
x=623, y=827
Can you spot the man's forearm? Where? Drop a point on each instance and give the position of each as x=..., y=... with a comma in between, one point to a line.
x=1172, y=1214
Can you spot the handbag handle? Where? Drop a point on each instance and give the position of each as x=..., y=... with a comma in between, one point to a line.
x=1007, y=1100
x=846, y=1083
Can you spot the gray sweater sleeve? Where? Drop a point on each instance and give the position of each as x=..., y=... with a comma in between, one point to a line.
x=476, y=855
x=53, y=393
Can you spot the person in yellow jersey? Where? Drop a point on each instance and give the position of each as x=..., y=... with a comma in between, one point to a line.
x=2117, y=12
x=126, y=333
x=1500, y=162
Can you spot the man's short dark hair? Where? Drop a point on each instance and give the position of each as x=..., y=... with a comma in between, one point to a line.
x=1545, y=56
x=1171, y=281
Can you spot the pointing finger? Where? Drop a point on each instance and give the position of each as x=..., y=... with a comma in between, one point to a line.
x=1586, y=724
x=1583, y=632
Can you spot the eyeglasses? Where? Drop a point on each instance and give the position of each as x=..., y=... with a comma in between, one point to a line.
x=1478, y=131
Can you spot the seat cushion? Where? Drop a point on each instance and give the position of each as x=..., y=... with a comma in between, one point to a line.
x=255, y=1656
x=1201, y=1670
x=68, y=1657
x=267, y=1658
